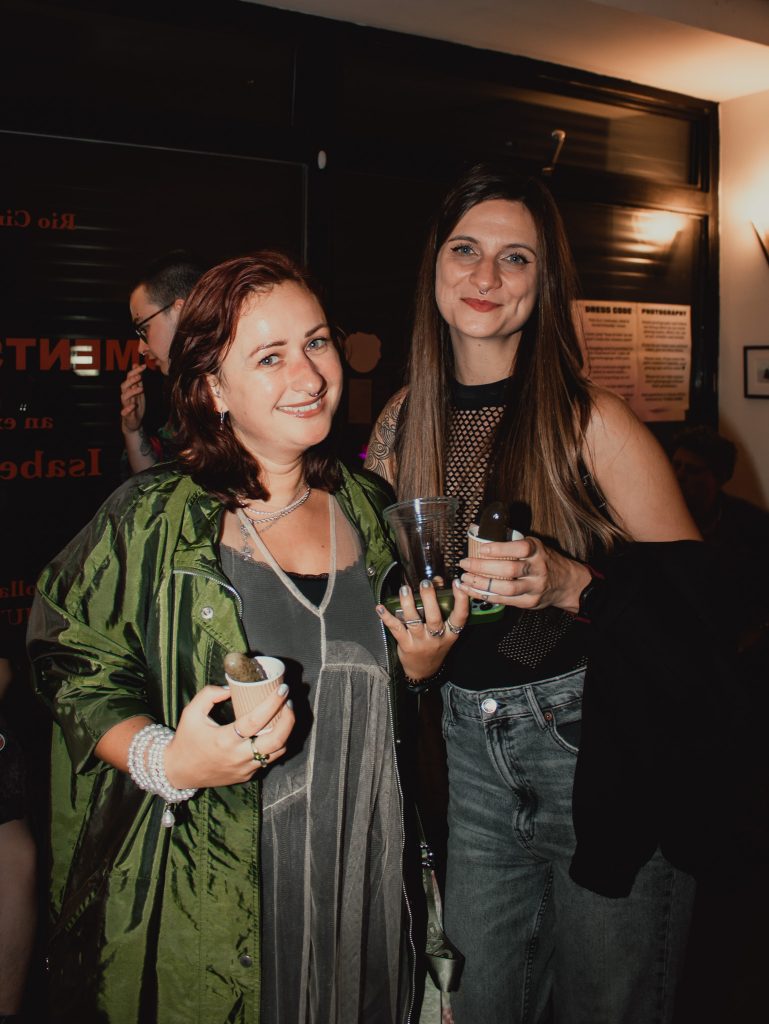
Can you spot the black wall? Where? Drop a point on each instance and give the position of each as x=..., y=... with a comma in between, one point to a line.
x=128, y=129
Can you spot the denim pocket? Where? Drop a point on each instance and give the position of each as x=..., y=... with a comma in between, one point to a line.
x=564, y=724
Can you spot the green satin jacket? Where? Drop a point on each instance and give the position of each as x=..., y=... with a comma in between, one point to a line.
x=132, y=618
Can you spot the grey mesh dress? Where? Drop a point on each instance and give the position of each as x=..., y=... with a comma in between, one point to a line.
x=332, y=832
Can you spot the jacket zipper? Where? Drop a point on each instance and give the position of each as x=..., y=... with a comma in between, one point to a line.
x=214, y=579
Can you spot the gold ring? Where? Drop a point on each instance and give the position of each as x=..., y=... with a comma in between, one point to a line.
x=261, y=759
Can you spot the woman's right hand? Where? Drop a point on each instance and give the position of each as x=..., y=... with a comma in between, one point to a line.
x=203, y=753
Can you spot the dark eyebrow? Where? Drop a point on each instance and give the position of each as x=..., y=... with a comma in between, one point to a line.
x=507, y=245
x=317, y=327
x=282, y=341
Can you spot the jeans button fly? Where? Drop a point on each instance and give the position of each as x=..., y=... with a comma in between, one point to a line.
x=489, y=706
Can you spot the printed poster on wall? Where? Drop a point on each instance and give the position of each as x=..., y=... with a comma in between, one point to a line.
x=642, y=351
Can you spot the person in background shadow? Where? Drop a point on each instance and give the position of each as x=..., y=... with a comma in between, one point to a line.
x=18, y=901
x=737, y=535
x=156, y=304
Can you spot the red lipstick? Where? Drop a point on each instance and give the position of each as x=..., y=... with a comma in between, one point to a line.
x=482, y=305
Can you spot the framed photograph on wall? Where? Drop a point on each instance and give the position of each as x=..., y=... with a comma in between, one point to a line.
x=756, y=371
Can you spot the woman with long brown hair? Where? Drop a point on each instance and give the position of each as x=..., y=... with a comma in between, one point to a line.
x=498, y=407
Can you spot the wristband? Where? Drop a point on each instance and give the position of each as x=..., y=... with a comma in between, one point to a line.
x=588, y=592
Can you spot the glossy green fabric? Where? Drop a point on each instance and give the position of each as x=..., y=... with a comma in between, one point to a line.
x=133, y=617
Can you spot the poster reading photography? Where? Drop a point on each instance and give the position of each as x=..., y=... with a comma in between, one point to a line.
x=642, y=351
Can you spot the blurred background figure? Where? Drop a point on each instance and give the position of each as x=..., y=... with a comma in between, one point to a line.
x=18, y=902
x=156, y=304
x=737, y=533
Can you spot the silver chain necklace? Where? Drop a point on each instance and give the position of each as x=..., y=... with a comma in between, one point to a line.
x=267, y=519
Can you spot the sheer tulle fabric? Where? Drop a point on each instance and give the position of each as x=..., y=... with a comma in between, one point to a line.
x=332, y=834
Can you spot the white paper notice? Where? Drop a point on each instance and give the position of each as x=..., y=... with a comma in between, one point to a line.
x=642, y=351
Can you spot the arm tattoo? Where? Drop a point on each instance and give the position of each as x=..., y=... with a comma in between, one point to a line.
x=145, y=445
x=381, y=447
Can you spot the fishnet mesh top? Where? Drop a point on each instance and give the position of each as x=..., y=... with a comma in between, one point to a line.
x=332, y=835
x=522, y=646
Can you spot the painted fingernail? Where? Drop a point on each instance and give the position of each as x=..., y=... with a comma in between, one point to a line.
x=455, y=582
x=405, y=591
x=380, y=610
x=225, y=686
x=283, y=689
x=290, y=704
x=425, y=585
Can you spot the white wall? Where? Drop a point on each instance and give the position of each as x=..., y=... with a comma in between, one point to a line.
x=744, y=195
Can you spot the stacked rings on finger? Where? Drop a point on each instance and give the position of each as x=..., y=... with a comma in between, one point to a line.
x=456, y=630
x=261, y=759
x=437, y=633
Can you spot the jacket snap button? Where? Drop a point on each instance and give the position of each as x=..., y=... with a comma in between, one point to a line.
x=206, y=614
x=548, y=716
x=371, y=570
x=489, y=706
x=246, y=960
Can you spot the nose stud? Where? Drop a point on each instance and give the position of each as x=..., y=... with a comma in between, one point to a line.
x=484, y=291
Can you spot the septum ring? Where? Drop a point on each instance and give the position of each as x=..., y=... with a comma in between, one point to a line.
x=437, y=633
x=260, y=759
x=238, y=733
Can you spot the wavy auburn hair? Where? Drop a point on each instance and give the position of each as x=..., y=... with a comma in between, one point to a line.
x=536, y=450
x=207, y=449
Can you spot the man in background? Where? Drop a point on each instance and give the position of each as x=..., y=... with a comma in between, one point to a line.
x=737, y=534
x=156, y=304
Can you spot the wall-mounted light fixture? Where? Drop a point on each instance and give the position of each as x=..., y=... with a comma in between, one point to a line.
x=762, y=233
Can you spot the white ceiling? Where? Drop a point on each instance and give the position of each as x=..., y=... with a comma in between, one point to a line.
x=711, y=49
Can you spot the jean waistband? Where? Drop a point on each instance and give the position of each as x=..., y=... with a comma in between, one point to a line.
x=516, y=700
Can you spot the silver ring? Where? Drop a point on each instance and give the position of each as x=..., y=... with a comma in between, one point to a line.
x=456, y=630
x=437, y=632
x=412, y=622
x=238, y=733
x=491, y=583
x=261, y=759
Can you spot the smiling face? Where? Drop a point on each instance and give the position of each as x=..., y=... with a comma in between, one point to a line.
x=281, y=379
x=486, y=274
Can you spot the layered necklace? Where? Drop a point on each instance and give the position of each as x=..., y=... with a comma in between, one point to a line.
x=263, y=521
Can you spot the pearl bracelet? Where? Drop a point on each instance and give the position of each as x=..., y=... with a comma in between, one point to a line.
x=146, y=764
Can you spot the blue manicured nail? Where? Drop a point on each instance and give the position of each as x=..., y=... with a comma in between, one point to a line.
x=405, y=591
x=290, y=704
x=425, y=585
x=283, y=689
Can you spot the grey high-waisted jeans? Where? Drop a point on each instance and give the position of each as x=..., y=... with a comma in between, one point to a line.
x=537, y=946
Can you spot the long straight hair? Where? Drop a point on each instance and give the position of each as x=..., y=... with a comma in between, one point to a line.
x=536, y=451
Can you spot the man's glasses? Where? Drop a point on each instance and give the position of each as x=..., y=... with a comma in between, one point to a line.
x=140, y=325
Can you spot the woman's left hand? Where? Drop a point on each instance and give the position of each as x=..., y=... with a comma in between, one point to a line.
x=525, y=574
x=423, y=645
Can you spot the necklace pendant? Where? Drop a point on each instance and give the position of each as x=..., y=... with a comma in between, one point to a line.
x=168, y=820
